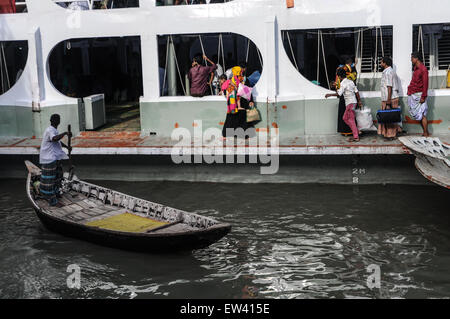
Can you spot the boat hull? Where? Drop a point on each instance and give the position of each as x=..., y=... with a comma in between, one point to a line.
x=432, y=158
x=159, y=243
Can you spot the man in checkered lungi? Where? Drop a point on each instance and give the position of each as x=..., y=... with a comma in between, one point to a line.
x=50, y=157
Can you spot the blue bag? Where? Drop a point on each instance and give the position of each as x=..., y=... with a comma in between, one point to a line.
x=389, y=116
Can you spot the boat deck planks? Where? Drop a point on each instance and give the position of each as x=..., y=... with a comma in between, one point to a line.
x=82, y=209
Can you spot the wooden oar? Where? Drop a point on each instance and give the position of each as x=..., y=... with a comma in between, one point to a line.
x=69, y=144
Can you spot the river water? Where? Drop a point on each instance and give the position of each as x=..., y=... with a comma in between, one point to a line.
x=287, y=241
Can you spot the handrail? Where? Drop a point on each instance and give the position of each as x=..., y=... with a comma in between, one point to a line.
x=190, y=2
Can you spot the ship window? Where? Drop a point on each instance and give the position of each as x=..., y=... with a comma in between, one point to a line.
x=97, y=4
x=227, y=50
x=433, y=42
x=310, y=50
x=111, y=66
x=187, y=2
x=13, y=57
x=13, y=6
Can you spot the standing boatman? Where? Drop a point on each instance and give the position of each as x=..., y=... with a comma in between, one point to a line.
x=50, y=157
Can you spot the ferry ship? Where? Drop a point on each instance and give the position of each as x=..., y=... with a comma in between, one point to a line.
x=295, y=45
x=89, y=60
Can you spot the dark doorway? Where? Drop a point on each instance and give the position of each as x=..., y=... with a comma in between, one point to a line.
x=110, y=66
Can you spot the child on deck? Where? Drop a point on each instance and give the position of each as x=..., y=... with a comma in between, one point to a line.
x=349, y=90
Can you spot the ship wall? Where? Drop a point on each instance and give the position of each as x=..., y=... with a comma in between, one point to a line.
x=293, y=118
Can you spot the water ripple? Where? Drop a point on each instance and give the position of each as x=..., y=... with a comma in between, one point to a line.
x=291, y=242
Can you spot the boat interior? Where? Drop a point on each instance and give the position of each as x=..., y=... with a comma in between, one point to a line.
x=94, y=206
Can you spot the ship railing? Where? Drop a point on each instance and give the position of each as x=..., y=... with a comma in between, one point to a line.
x=188, y=2
x=97, y=4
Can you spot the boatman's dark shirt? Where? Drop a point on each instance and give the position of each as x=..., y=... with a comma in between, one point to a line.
x=419, y=82
x=199, y=76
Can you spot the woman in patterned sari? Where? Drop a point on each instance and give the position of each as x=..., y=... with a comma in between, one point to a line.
x=234, y=119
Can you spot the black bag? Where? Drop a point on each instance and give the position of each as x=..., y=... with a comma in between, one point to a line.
x=389, y=116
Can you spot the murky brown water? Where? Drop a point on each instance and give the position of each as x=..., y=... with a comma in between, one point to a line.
x=287, y=241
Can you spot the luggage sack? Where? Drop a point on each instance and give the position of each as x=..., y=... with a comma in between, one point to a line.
x=364, y=119
x=389, y=116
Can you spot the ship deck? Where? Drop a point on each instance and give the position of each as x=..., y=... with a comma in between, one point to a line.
x=132, y=143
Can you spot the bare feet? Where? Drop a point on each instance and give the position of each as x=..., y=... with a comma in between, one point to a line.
x=351, y=140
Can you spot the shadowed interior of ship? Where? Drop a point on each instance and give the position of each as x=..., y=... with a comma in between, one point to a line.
x=317, y=53
x=113, y=66
x=225, y=49
x=13, y=57
x=109, y=66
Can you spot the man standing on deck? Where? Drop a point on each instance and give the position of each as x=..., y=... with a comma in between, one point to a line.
x=50, y=157
x=418, y=92
x=199, y=76
x=389, y=98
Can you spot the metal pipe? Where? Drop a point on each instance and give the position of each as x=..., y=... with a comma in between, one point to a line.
x=171, y=72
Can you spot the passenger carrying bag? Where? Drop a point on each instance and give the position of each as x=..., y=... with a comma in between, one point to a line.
x=389, y=116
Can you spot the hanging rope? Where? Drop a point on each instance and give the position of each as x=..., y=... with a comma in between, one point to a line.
x=381, y=39
x=206, y=63
x=357, y=45
x=1, y=74
x=203, y=49
x=248, y=50
x=260, y=58
x=165, y=68
x=218, y=50
x=292, y=51
x=420, y=41
x=176, y=63
x=318, y=56
x=223, y=52
x=6, y=67
x=362, y=50
x=418, y=37
x=324, y=61
x=375, y=69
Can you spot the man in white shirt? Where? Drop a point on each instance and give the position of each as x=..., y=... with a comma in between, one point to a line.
x=50, y=157
x=389, y=97
x=351, y=96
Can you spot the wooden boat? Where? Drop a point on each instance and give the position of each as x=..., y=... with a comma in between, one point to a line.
x=432, y=158
x=107, y=217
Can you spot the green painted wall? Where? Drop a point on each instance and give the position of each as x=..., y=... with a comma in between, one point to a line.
x=437, y=82
x=294, y=118
x=16, y=121
x=369, y=84
x=22, y=122
x=69, y=115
